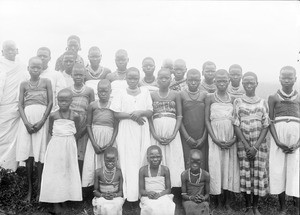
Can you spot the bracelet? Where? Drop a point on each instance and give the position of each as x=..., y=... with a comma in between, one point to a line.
x=94, y=191
x=190, y=198
x=255, y=147
x=187, y=140
x=183, y=194
x=179, y=116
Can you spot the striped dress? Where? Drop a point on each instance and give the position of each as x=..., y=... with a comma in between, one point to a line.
x=251, y=115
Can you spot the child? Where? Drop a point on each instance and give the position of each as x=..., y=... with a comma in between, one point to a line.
x=61, y=179
x=195, y=186
x=102, y=130
x=284, y=147
x=164, y=127
x=155, y=185
x=132, y=107
x=68, y=62
x=235, y=89
x=251, y=123
x=223, y=161
x=193, y=131
x=118, y=77
x=179, y=83
x=168, y=64
x=82, y=97
x=208, y=71
x=35, y=104
x=108, y=187
x=149, y=80
x=73, y=44
x=95, y=72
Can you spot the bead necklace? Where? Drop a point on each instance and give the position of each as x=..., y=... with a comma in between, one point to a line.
x=109, y=172
x=198, y=179
x=35, y=85
x=287, y=96
x=208, y=87
x=251, y=100
x=119, y=74
x=96, y=75
x=78, y=91
x=218, y=99
x=193, y=93
x=161, y=97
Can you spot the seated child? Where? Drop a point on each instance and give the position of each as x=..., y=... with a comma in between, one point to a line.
x=155, y=185
x=195, y=186
x=102, y=130
x=108, y=187
x=179, y=82
x=61, y=179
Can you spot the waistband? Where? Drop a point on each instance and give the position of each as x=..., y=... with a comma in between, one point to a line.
x=159, y=115
x=286, y=119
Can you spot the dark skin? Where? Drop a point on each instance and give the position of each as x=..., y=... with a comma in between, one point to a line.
x=193, y=81
x=195, y=163
x=103, y=94
x=154, y=159
x=132, y=78
x=35, y=68
x=68, y=63
x=287, y=79
x=110, y=162
x=163, y=80
x=148, y=68
x=209, y=73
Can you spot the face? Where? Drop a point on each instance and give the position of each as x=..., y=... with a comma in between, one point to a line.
x=44, y=55
x=64, y=101
x=110, y=161
x=148, y=67
x=132, y=79
x=193, y=82
x=235, y=75
x=249, y=84
x=95, y=58
x=179, y=71
x=221, y=81
x=73, y=45
x=287, y=78
x=164, y=79
x=78, y=75
x=154, y=158
x=104, y=93
x=9, y=52
x=209, y=72
x=195, y=162
x=35, y=68
x=68, y=62
x=121, y=62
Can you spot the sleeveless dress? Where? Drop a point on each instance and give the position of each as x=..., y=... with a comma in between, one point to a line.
x=33, y=145
x=164, y=205
x=102, y=127
x=223, y=163
x=284, y=168
x=61, y=179
x=164, y=121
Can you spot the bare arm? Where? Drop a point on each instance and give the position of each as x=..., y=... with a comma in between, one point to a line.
x=167, y=182
x=184, y=194
x=142, y=189
x=178, y=115
x=89, y=121
x=96, y=184
x=51, y=121
x=114, y=135
x=120, y=193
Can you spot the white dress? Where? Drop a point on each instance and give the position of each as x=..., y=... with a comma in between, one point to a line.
x=132, y=139
x=61, y=178
x=223, y=163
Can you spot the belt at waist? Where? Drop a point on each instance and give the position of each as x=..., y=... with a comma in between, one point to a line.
x=287, y=120
x=159, y=115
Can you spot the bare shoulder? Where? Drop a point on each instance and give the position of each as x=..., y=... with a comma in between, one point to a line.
x=205, y=175
x=184, y=174
x=143, y=170
x=164, y=169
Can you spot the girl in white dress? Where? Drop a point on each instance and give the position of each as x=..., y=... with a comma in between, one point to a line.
x=61, y=178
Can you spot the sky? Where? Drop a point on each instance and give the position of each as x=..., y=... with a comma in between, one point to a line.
x=261, y=36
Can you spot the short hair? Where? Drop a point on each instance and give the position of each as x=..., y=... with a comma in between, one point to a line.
x=70, y=52
x=236, y=66
x=74, y=37
x=208, y=63
x=193, y=151
x=167, y=62
x=132, y=69
x=104, y=82
x=163, y=70
x=78, y=66
x=193, y=71
x=121, y=52
x=222, y=72
x=288, y=68
x=180, y=62
x=148, y=58
x=45, y=49
x=154, y=147
x=65, y=90
x=34, y=58
x=250, y=74
x=111, y=150
x=95, y=48
x=8, y=43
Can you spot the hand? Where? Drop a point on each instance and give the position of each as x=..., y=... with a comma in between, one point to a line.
x=108, y=195
x=156, y=196
x=151, y=194
x=192, y=142
x=136, y=114
x=37, y=126
x=106, y=146
x=199, y=198
x=283, y=147
x=199, y=143
x=169, y=139
x=251, y=153
x=29, y=128
x=218, y=142
x=97, y=148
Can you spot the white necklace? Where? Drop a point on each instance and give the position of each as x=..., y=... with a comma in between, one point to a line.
x=96, y=75
x=35, y=85
x=78, y=91
x=108, y=172
x=193, y=93
x=287, y=95
x=161, y=97
x=198, y=179
x=218, y=99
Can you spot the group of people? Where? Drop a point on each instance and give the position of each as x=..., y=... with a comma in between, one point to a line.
x=150, y=141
